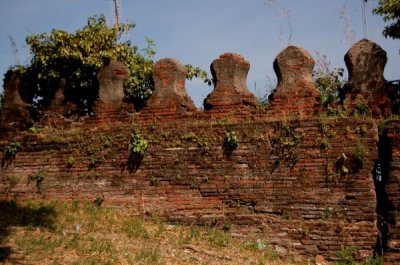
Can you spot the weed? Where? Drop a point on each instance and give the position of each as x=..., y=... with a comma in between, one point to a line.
x=38, y=179
x=94, y=156
x=324, y=143
x=34, y=130
x=218, y=238
x=231, y=140
x=203, y=145
x=134, y=228
x=270, y=253
x=70, y=162
x=74, y=205
x=12, y=182
x=345, y=256
x=137, y=145
x=148, y=255
x=360, y=150
x=374, y=261
x=188, y=137
x=107, y=141
x=361, y=109
x=223, y=121
x=30, y=243
x=361, y=130
x=284, y=144
x=154, y=180
x=11, y=149
x=100, y=246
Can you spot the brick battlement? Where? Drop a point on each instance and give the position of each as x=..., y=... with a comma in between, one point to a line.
x=303, y=181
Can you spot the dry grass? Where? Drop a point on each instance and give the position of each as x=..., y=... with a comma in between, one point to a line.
x=82, y=233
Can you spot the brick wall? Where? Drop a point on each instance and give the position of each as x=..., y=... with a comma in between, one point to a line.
x=305, y=205
x=297, y=177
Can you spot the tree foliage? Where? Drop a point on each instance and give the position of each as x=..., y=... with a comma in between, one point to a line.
x=77, y=57
x=390, y=11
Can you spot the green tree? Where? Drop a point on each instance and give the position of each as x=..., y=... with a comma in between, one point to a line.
x=390, y=11
x=77, y=57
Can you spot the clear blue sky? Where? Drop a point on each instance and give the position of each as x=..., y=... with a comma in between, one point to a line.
x=197, y=32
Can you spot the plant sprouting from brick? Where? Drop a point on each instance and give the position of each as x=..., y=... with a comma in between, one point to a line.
x=202, y=142
x=361, y=130
x=345, y=256
x=12, y=182
x=154, y=180
x=95, y=156
x=11, y=149
x=189, y=136
x=137, y=144
x=70, y=162
x=326, y=134
x=218, y=238
x=106, y=141
x=231, y=140
x=284, y=143
x=361, y=109
x=34, y=130
x=38, y=179
x=360, y=151
x=374, y=261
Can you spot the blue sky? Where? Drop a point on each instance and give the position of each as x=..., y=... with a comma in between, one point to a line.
x=197, y=32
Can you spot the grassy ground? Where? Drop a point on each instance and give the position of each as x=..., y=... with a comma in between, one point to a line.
x=83, y=233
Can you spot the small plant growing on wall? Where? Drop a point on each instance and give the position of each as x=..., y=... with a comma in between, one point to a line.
x=326, y=135
x=12, y=182
x=284, y=144
x=203, y=145
x=361, y=110
x=137, y=147
x=38, y=179
x=231, y=140
x=11, y=149
x=70, y=162
x=202, y=142
x=154, y=180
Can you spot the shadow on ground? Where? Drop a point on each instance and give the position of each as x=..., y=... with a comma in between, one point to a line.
x=12, y=214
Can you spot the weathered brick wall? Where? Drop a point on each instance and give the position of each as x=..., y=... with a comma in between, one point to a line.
x=301, y=179
x=309, y=207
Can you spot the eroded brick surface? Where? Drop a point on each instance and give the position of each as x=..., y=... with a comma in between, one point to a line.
x=169, y=94
x=111, y=77
x=230, y=73
x=366, y=86
x=295, y=95
x=15, y=112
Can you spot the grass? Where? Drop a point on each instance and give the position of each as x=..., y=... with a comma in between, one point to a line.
x=79, y=232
